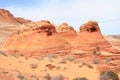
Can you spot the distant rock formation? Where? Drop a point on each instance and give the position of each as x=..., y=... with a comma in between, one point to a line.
x=114, y=40
x=63, y=27
x=90, y=38
x=40, y=39
x=67, y=32
x=7, y=17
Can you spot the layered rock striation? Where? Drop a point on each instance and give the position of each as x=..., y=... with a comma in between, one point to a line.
x=40, y=39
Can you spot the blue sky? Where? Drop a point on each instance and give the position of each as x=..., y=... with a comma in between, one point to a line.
x=74, y=12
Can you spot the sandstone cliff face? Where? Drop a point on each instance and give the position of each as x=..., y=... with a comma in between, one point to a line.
x=67, y=32
x=90, y=38
x=39, y=39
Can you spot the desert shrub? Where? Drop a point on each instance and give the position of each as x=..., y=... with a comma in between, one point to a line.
x=97, y=51
x=47, y=77
x=71, y=59
x=19, y=61
x=80, y=66
x=51, y=60
x=88, y=64
x=95, y=61
x=103, y=76
x=34, y=77
x=21, y=55
x=41, y=58
x=80, y=78
x=94, y=52
x=63, y=61
x=33, y=65
x=112, y=75
x=18, y=32
x=107, y=60
x=58, y=67
x=15, y=55
x=97, y=48
x=64, y=68
x=26, y=58
x=60, y=77
x=21, y=77
x=3, y=53
x=54, y=56
x=108, y=75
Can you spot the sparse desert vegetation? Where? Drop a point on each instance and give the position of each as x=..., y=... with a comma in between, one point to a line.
x=108, y=75
x=53, y=70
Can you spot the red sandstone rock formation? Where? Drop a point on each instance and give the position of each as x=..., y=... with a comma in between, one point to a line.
x=90, y=38
x=7, y=17
x=67, y=32
x=41, y=38
x=9, y=24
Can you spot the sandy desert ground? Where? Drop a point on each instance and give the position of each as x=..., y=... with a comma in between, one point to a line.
x=65, y=66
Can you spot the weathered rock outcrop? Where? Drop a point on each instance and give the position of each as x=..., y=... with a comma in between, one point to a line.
x=67, y=32
x=39, y=39
x=90, y=38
